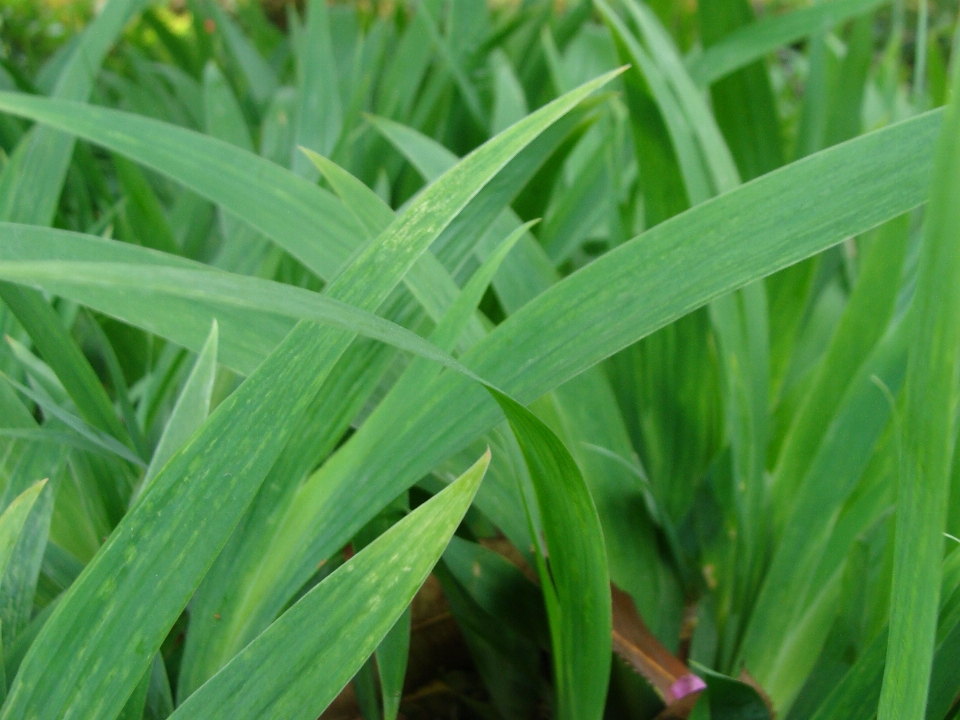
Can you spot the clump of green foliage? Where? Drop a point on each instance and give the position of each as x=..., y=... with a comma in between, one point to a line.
x=632, y=329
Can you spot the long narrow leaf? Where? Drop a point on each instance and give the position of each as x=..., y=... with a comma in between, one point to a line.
x=191, y=409
x=928, y=435
x=718, y=255
x=225, y=464
x=753, y=41
x=297, y=667
x=574, y=573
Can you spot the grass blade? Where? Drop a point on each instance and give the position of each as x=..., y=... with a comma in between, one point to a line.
x=286, y=208
x=865, y=318
x=191, y=409
x=224, y=289
x=91, y=434
x=64, y=356
x=261, y=80
x=299, y=665
x=742, y=101
x=246, y=337
x=319, y=115
x=856, y=696
x=371, y=469
x=928, y=434
x=243, y=247
x=576, y=585
x=752, y=42
x=13, y=519
x=257, y=419
x=143, y=209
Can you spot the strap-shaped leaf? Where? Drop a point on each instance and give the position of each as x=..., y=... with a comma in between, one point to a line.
x=185, y=517
x=305, y=220
x=856, y=695
x=753, y=41
x=573, y=573
x=929, y=431
x=319, y=115
x=821, y=460
x=722, y=244
x=191, y=409
x=245, y=614
x=221, y=289
x=246, y=337
x=300, y=663
x=12, y=521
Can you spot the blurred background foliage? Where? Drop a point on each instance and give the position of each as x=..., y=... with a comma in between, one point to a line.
x=32, y=30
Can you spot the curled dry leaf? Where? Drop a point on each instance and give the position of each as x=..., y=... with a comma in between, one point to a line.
x=640, y=649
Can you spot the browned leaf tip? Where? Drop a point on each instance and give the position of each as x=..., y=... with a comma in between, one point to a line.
x=640, y=649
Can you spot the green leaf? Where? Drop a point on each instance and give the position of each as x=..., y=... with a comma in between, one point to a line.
x=676, y=125
x=530, y=270
x=372, y=213
x=452, y=58
x=583, y=411
x=428, y=279
x=928, y=434
x=13, y=519
x=319, y=115
x=260, y=78
x=225, y=463
x=509, y=102
x=735, y=239
x=507, y=662
x=852, y=432
x=222, y=289
x=159, y=703
x=402, y=76
x=740, y=320
x=243, y=248
x=844, y=117
x=731, y=699
x=276, y=130
x=240, y=613
x=222, y=116
x=743, y=101
x=856, y=695
x=865, y=318
x=65, y=358
x=258, y=607
x=23, y=534
x=23, y=567
x=133, y=709
x=191, y=409
x=117, y=380
x=297, y=666
x=246, y=337
x=143, y=209
x=716, y=155
x=305, y=220
x=499, y=588
x=575, y=209
x=574, y=572
x=391, y=657
x=752, y=42
x=91, y=434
